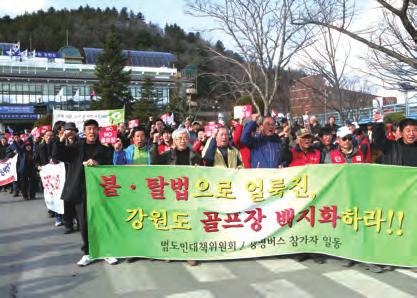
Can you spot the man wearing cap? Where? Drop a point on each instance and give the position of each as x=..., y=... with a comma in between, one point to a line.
x=303, y=153
x=87, y=152
x=346, y=151
x=265, y=147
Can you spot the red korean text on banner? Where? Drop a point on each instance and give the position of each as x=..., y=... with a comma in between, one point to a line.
x=133, y=123
x=241, y=112
x=108, y=134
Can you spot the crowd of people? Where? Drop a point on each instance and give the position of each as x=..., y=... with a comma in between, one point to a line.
x=256, y=142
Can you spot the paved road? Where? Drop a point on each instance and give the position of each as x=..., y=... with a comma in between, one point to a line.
x=38, y=260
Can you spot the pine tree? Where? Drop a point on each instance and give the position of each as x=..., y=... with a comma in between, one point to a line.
x=147, y=105
x=113, y=82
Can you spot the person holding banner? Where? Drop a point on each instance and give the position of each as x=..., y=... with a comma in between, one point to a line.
x=16, y=148
x=219, y=153
x=88, y=152
x=180, y=155
x=265, y=147
x=3, y=149
x=27, y=172
x=137, y=153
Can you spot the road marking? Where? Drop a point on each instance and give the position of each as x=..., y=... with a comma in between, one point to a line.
x=279, y=288
x=407, y=272
x=127, y=278
x=207, y=272
x=281, y=265
x=193, y=294
x=365, y=285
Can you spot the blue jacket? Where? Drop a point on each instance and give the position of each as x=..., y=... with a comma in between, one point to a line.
x=125, y=156
x=265, y=151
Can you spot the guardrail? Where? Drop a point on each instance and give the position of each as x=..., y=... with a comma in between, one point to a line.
x=365, y=115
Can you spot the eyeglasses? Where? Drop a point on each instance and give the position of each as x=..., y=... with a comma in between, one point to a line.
x=347, y=138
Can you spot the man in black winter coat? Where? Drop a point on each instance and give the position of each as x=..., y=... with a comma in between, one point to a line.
x=88, y=152
x=402, y=152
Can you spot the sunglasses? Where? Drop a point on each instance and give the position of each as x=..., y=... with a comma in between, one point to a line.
x=347, y=138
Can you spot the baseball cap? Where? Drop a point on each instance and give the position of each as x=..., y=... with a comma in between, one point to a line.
x=303, y=132
x=343, y=132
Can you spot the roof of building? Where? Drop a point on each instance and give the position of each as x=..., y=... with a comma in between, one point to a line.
x=69, y=51
x=5, y=46
x=136, y=58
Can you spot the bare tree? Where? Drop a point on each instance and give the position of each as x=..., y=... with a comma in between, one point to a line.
x=325, y=58
x=392, y=42
x=264, y=39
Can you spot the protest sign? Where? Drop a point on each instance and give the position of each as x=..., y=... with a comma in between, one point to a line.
x=108, y=135
x=208, y=129
x=103, y=117
x=133, y=123
x=35, y=132
x=168, y=118
x=53, y=180
x=8, y=172
x=211, y=213
x=241, y=112
x=44, y=128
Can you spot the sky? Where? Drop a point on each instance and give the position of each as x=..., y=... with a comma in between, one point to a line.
x=162, y=12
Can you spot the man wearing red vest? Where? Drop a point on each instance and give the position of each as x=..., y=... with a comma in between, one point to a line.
x=303, y=153
x=346, y=152
x=364, y=145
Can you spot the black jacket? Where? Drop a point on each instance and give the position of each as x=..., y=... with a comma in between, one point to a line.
x=3, y=150
x=170, y=157
x=394, y=152
x=43, y=154
x=74, y=188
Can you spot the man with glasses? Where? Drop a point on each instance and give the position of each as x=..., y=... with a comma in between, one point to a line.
x=180, y=155
x=346, y=151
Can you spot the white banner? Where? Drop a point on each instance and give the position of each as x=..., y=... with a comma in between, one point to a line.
x=53, y=180
x=8, y=172
x=103, y=117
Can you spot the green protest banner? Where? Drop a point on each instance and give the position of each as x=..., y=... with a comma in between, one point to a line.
x=360, y=212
